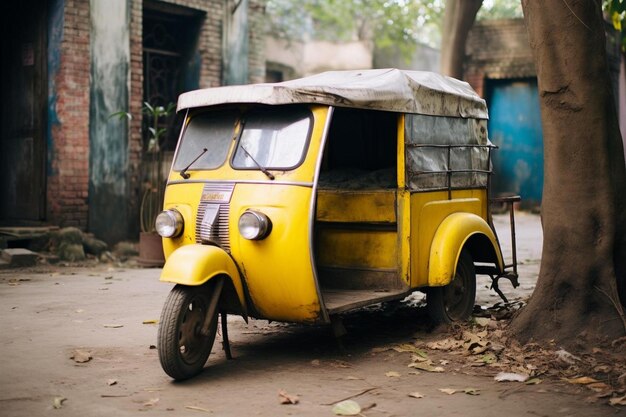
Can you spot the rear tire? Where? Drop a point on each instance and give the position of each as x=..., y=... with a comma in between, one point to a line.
x=455, y=301
x=183, y=351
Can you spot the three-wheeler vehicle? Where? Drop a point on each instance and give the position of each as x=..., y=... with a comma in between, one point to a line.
x=302, y=200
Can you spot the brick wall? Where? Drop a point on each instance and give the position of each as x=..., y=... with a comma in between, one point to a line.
x=497, y=49
x=68, y=182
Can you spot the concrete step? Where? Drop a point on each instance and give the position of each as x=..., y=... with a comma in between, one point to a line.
x=16, y=257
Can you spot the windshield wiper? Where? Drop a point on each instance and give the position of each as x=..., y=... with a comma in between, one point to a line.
x=261, y=167
x=184, y=173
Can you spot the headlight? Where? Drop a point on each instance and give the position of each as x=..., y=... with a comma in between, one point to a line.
x=169, y=223
x=254, y=225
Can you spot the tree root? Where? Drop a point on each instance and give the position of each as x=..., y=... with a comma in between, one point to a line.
x=616, y=304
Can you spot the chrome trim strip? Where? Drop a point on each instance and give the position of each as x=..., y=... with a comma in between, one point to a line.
x=294, y=183
x=318, y=167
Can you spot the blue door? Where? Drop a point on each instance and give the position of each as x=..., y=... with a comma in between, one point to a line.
x=515, y=127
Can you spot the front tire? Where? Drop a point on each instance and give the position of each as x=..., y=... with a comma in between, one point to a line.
x=455, y=301
x=183, y=351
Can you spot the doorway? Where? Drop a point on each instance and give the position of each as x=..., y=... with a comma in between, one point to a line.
x=23, y=98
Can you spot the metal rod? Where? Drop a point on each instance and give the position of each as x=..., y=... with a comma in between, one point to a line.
x=225, y=341
x=211, y=310
x=513, y=244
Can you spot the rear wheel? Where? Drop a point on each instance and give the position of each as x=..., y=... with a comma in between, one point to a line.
x=183, y=350
x=455, y=301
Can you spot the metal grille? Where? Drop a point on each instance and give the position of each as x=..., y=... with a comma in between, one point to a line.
x=214, y=214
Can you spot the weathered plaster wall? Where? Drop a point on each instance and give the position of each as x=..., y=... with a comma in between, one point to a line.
x=108, y=137
x=236, y=42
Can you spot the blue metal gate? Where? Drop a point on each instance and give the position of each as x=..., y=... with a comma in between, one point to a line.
x=515, y=127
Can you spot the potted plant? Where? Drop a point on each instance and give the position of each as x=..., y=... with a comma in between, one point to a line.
x=150, y=244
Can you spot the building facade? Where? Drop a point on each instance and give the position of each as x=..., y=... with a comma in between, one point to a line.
x=68, y=65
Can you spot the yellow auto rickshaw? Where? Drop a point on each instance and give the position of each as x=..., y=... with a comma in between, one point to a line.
x=302, y=200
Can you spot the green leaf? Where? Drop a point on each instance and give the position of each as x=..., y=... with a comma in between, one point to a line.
x=347, y=408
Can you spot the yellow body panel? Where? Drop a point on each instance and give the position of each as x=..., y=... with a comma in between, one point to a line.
x=196, y=264
x=357, y=248
x=428, y=211
x=371, y=206
x=447, y=243
x=278, y=270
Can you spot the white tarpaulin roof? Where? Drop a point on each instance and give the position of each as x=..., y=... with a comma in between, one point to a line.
x=381, y=89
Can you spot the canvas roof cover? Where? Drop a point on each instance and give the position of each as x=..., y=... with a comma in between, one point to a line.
x=380, y=89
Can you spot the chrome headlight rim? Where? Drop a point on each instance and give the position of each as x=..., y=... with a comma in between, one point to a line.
x=254, y=225
x=169, y=223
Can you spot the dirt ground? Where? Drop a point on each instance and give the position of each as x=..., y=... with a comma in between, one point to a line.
x=108, y=312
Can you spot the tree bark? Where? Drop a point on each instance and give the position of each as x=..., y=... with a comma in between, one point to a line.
x=459, y=17
x=583, y=268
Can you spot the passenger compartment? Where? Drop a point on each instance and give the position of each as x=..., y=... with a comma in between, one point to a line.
x=356, y=233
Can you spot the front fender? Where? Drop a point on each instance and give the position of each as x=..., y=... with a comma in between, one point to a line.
x=196, y=264
x=450, y=238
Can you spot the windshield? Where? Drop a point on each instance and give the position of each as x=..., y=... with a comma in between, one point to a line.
x=211, y=130
x=273, y=139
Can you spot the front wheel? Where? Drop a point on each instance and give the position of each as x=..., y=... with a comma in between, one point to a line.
x=183, y=349
x=455, y=301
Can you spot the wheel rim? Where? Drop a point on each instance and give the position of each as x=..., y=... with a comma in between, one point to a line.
x=190, y=341
x=456, y=297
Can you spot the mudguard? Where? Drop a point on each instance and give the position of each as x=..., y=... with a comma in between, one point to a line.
x=196, y=264
x=450, y=238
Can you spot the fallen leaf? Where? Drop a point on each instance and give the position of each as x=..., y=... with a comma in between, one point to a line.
x=113, y=326
x=191, y=407
x=425, y=366
x=618, y=400
x=448, y=391
x=80, y=310
x=482, y=321
x=392, y=374
x=111, y=382
x=81, y=356
x=347, y=408
x=445, y=344
x=510, y=377
x=566, y=357
x=488, y=358
x=599, y=387
x=152, y=347
x=583, y=380
x=150, y=321
x=286, y=398
x=352, y=378
x=415, y=395
x=151, y=403
x=471, y=391
x=315, y=362
x=533, y=381
x=58, y=402
x=340, y=364
x=406, y=347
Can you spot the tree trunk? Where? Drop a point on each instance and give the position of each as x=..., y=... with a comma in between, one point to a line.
x=583, y=267
x=459, y=17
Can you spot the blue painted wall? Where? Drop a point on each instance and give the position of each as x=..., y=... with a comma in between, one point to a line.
x=108, y=137
x=515, y=127
x=55, y=37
